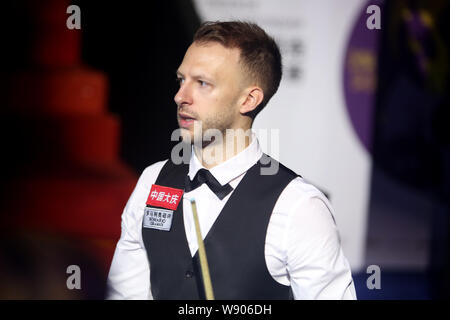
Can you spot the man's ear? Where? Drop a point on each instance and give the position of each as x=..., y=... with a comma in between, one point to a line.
x=253, y=99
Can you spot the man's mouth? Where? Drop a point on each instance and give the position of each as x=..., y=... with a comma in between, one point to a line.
x=185, y=120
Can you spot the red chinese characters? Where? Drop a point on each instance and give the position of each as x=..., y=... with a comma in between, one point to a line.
x=164, y=197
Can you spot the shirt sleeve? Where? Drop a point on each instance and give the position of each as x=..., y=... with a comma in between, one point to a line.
x=316, y=264
x=129, y=274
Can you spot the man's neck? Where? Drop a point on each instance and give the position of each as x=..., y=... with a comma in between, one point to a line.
x=224, y=149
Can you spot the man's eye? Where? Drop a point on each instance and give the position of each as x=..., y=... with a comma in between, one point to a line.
x=180, y=80
x=202, y=83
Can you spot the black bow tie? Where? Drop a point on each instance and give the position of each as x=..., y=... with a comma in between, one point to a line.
x=204, y=176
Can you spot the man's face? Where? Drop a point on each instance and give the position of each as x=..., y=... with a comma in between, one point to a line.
x=211, y=83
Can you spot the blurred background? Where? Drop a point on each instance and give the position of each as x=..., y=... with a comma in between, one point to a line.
x=362, y=112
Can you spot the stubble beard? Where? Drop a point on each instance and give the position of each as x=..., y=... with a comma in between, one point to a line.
x=196, y=135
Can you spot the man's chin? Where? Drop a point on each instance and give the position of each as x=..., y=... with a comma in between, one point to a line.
x=188, y=137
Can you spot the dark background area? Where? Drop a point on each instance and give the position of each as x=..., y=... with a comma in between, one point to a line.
x=57, y=191
x=141, y=52
x=412, y=132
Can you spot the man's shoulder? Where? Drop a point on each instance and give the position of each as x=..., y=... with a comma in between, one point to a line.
x=302, y=199
x=299, y=185
x=150, y=173
x=302, y=188
x=146, y=179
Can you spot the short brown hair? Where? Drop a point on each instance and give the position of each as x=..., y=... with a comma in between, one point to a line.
x=260, y=54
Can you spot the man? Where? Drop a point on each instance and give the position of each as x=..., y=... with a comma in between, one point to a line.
x=268, y=234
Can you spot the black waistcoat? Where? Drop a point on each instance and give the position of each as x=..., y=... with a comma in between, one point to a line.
x=234, y=245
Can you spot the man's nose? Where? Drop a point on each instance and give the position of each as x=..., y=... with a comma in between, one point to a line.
x=183, y=96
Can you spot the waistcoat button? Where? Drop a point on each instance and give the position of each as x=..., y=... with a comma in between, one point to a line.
x=189, y=274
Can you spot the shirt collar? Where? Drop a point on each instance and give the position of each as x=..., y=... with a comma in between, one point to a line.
x=233, y=167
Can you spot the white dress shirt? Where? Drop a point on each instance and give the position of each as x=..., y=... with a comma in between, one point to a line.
x=302, y=247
